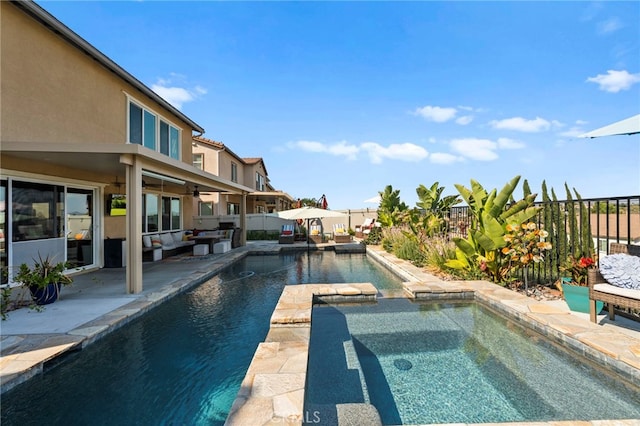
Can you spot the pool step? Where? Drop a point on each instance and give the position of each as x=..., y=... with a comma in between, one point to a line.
x=353, y=363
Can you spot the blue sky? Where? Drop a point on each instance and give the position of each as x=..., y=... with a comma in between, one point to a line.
x=344, y=98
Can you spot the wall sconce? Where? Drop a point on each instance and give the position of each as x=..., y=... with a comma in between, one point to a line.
x=196, y=193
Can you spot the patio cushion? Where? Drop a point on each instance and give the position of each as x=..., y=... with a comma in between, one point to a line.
x=156, y=241
x=167, y=242
x=621, y=270
x=177, y=237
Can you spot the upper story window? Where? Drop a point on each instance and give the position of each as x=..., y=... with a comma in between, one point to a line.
x=148, y=129
x=259, y=182
x=234, y=172
x=198, y=161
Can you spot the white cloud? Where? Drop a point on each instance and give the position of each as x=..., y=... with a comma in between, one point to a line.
x=475, y=149
x=404, y=152
x=464, y=120
x=436, y=113
x=170, y=90
x=311, y=146
x=521, y=124
x=338, y=149
x=444, y=158
x=343, y=148
x=376, y=152
x=615, y=81
x=506, y=143
x=609, y=26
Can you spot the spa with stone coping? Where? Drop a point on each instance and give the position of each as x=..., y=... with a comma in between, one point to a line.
x=272, y=391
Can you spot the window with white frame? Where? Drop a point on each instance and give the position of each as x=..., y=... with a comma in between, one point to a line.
x=198, y=161
x=161, y=213
x=234, y=172
x=259, y=182
x=233, y=208
x=147, y=129
x=206, y=208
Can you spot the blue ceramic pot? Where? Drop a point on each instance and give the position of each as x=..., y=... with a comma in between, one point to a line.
x=577, y=297
x=46, y=295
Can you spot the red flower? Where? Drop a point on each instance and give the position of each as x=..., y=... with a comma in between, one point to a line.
x=586, y=262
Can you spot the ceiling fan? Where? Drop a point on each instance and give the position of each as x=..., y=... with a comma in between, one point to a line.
x=195, y=192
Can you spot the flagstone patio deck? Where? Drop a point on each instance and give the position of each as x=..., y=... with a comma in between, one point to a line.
x=273, y=388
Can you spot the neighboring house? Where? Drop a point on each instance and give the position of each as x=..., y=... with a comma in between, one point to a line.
x=89, y=155
x=218, y=159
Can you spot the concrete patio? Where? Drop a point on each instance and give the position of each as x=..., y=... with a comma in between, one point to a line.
x=96, y=304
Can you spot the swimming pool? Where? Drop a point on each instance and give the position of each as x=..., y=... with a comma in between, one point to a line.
x=427, y=362
x=184, y=361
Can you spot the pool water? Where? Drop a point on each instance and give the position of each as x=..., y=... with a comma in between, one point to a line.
x=183, y=362
x=425, y=362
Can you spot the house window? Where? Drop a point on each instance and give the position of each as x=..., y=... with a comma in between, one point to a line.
x=259, y=182
x=150, y=215
x=234, y=172
x=170, y=213
x=198, y=161
x=145, y=128
x=37, y=211
x=259, y=209
x=233, y=208
x=149, y=130
x=206, y=208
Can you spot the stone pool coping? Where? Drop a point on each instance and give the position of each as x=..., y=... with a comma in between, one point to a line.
x=272, y=391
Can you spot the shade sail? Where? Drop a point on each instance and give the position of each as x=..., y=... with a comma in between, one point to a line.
x=375, y=200
x=628, y=126
x=308, y=213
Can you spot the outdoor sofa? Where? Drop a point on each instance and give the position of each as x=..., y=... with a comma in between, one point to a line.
x=601, y=290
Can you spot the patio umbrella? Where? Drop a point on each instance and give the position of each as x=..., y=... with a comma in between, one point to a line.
x=307, y=213
x=374, y=200
x=628, y=126
x=322, y=202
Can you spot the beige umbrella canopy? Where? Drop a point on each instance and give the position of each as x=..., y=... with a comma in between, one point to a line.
x=628, y=126
x=308, y=213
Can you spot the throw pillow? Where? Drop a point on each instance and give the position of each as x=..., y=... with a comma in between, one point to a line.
x=156, y=241
x=621, y=270
x=146, y=240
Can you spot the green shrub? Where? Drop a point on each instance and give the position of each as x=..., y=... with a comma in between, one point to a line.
x=258, y=235
x=408, y=249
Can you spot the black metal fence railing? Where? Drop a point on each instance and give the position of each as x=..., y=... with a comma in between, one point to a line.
x=585, y=227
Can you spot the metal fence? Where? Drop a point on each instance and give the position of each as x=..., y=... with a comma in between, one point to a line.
x=604, y=220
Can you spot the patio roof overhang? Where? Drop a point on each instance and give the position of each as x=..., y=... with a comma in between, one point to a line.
x=101, y=163
x=106, y=159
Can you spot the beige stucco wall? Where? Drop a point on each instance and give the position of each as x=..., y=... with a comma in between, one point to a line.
x=54, y=93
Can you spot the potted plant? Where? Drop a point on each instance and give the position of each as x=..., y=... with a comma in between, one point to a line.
x=574, y=285
x=44, y=279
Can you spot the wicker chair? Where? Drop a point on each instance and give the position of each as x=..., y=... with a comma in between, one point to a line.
x=287, y=234
x=315, y=234
x=341, y=234
x=365, y=228
x=600, y=289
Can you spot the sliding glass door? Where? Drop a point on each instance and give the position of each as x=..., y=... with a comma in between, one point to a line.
x=79, y=221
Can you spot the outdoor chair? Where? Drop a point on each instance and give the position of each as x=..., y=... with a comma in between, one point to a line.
x=315, y=234
x=365, y=228
x=287, y=234
x=341, y=234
